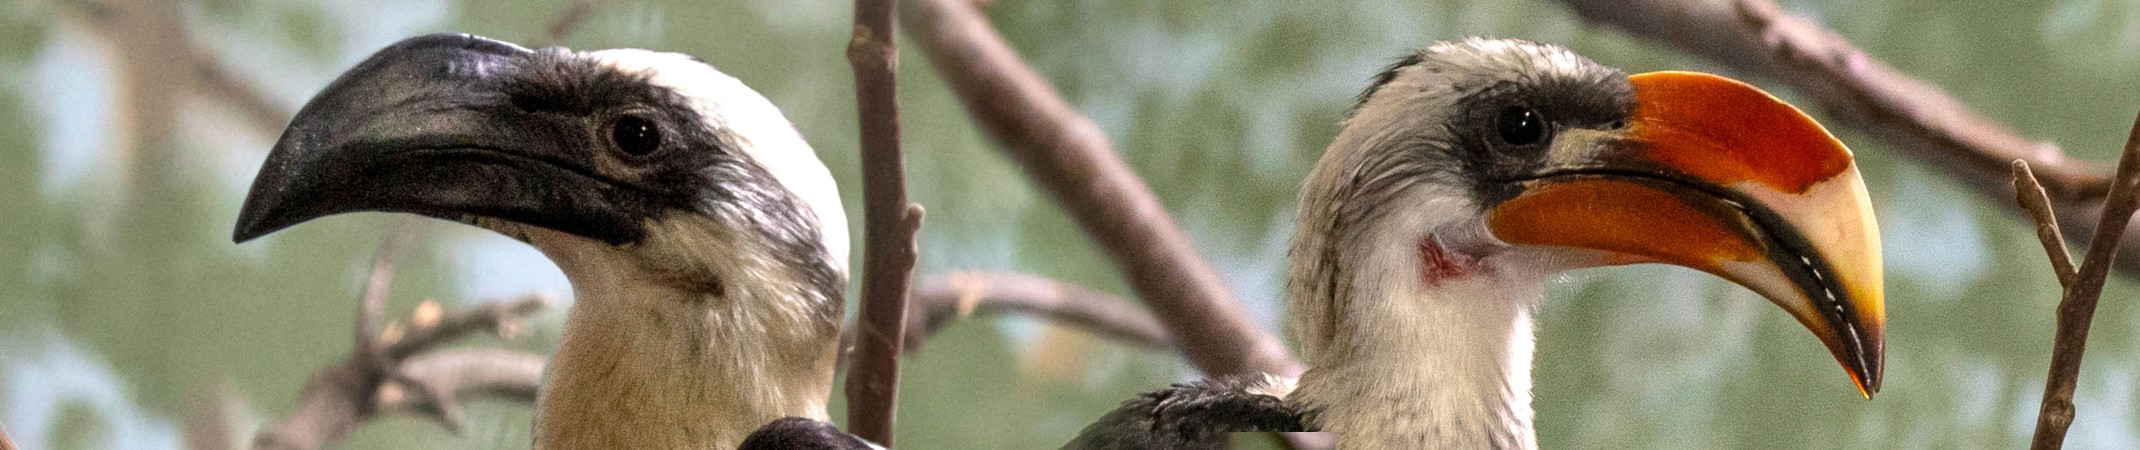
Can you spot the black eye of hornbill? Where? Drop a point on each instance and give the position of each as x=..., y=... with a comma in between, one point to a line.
x=635, y=135
x=1520, y=126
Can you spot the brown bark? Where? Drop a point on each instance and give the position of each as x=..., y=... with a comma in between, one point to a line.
x=400, y=371
x=567, y=22
x=889, y=223
x=2028, y=192
x=383, y=367
x=1070, y=158
x=2076, y=309
x=942, y=299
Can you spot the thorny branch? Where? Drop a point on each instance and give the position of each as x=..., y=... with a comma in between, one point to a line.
x=1918, y=118
x=889, y=221
x=2076, y=309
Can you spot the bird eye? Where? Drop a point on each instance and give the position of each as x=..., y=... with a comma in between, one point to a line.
x=1521, y=126
x=635, y=135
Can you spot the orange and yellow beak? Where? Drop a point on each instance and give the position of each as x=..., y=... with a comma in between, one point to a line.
x=1716, y=175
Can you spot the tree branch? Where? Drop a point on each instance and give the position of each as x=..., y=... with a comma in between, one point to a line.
x=205, y=419
x=433, y=385
x=942, y=299
x=2029, y=193
x=340, y=397
x=2076, y=309
x=890, y=224
x=567, y=22
x=1915, y=117
x=371, y=303
x=217, y=81
x=1069, y=157
x=939, y=300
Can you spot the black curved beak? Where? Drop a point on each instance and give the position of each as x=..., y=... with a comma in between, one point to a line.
x=430, y=126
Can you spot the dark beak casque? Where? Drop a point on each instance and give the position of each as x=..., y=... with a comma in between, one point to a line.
x=427, y=127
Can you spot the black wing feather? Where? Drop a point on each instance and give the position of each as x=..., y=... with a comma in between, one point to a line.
x=796, y=433
x=1193, y=415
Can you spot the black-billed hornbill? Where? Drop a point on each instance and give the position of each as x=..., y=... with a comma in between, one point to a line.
x=704, y=241
x=1470, y=172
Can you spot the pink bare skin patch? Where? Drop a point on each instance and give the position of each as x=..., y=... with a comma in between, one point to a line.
x=1437, y=264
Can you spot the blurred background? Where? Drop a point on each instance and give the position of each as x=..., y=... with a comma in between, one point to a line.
x=125, y=311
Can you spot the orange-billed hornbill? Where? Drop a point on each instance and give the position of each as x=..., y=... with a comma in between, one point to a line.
x=703, y=239
x=1470, y=172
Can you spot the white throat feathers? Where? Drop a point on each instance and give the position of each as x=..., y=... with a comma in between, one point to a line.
x=1372, y=381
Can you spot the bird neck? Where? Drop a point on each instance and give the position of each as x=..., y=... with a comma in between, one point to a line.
x=1412, y=343
x=651, y=358
x=1431, y=366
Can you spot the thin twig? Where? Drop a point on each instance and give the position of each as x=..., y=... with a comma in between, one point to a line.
x=890, y=223
x=2076, y=310
x=1069, y=157
x=2029, y=193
